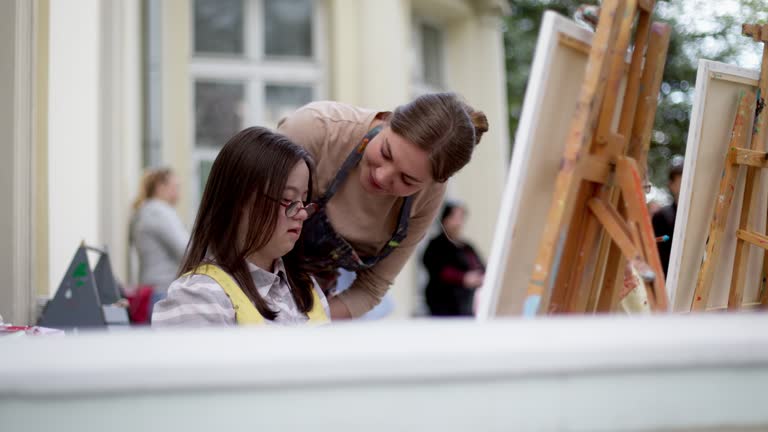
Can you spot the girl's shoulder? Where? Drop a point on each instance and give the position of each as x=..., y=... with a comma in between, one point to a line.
x=194, y=299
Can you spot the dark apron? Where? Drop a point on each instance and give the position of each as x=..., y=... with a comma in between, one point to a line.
x=324, y=250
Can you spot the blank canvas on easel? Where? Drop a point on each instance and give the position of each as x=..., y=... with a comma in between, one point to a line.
x=714, y=108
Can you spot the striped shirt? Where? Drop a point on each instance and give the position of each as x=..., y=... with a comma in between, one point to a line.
x=197, y=300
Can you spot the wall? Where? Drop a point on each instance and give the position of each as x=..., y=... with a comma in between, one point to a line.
x=73, y=127
x=176, y=101
x=17, y=142
x=120, y=120
x=475, y=69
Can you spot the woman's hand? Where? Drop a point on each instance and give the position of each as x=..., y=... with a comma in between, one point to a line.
x=473, y=279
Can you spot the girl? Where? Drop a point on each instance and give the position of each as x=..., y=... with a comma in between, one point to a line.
x=381, y=181
x=235, y=270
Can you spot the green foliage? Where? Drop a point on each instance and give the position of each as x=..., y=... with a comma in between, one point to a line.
x=716, y=38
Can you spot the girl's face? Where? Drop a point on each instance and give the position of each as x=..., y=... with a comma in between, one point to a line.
x=392, y=165
x=287, y=229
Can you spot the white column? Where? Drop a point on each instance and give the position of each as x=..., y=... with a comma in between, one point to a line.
x=384, y=33
x=176, y=98
x=120, y=121
x=74, y=132
x=346, y=49
x=476, y=68
x=17, y=78
x=370, y=41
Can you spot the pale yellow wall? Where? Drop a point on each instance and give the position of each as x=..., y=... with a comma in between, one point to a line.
x=19, y=21
x=7, y=98
x=121, y=132
x=345, y=51
x=41, y=255
x=176, y=98
x=475, y=60
x=74, y=132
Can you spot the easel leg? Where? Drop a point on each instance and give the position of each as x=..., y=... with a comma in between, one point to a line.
x=637, y=216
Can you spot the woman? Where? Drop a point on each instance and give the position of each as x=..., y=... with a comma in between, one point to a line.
x=380, y=182
x=157, y=233
x=250, y=216
x=455, y=269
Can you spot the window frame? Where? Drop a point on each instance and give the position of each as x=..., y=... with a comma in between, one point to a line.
x=255, y=70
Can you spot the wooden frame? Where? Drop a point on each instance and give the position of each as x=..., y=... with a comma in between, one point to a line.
x=718, y=86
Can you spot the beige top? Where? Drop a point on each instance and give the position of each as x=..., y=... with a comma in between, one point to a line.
x=329, y=131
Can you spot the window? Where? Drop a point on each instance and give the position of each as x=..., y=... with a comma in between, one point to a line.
x=254, y=61
x=428, y=57
x=218, y=27
x=219, y=110
x=288, y=28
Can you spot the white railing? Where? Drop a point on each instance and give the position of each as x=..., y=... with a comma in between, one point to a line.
x=598, y=373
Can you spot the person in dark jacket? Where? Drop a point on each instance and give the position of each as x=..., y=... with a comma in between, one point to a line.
x=664, y=219
x=455, y=269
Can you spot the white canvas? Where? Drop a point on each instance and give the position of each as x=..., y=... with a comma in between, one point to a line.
x=714, y=109
x=550, y=101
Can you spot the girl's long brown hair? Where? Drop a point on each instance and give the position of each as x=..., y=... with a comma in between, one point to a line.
x=253, y=166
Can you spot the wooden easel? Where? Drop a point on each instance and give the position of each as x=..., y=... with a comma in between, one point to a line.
x=754, y=157
x=599, y=186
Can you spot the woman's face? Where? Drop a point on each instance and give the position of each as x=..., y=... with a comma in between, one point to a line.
x=168, y=190
x=453, y=224
x=392, y=165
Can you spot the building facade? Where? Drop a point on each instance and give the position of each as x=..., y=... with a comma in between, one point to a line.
x=118, y=85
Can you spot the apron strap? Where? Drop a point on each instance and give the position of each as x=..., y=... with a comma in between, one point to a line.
x=350, y=163
x=402, y=227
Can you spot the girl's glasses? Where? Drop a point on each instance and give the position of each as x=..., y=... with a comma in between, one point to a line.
x=292, y=207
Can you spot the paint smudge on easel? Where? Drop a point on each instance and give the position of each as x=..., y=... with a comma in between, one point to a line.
x=531, y=305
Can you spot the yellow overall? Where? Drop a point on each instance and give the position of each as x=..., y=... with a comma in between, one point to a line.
x=245, y=311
